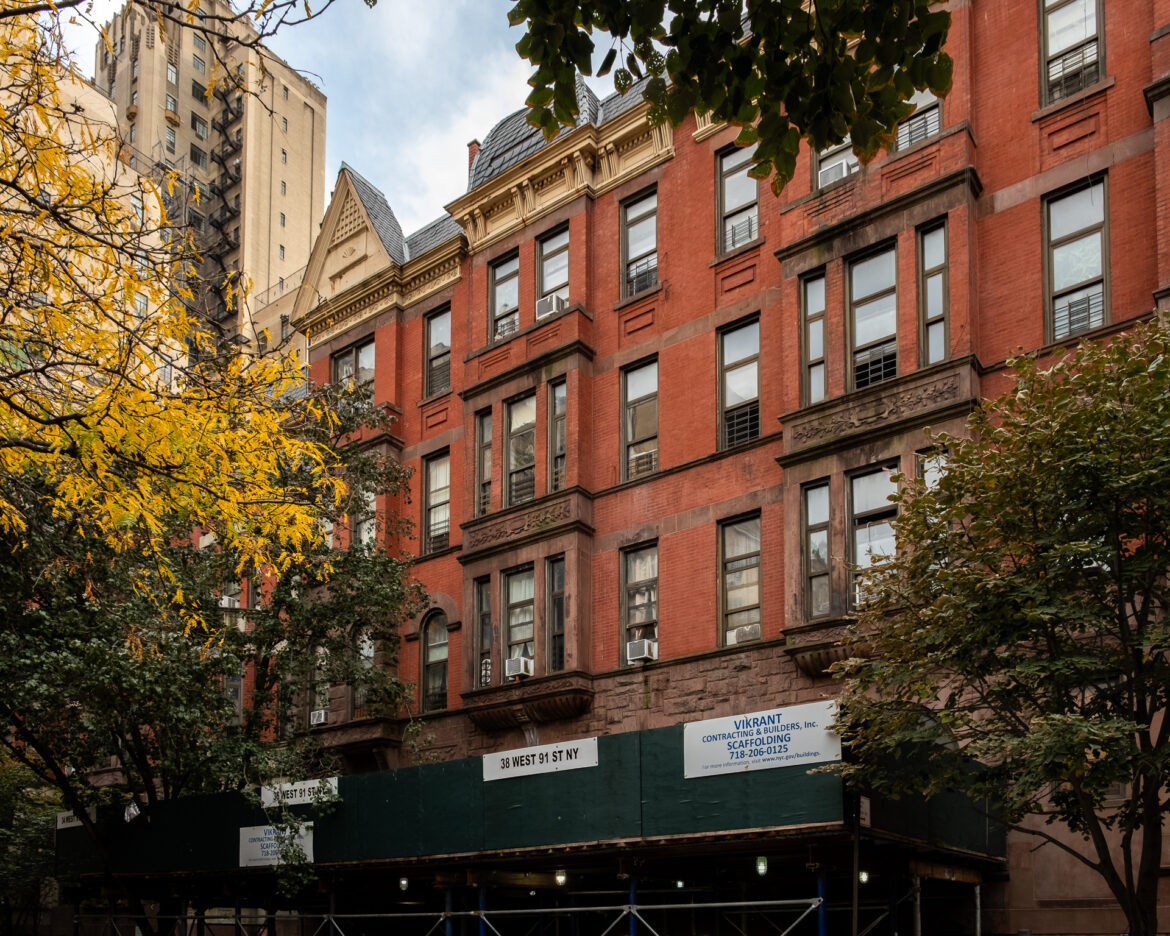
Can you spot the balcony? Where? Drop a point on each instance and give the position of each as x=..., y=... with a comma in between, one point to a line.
x=817, y=646
x=542, y=699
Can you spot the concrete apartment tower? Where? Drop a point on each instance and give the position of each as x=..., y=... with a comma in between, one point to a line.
x=250, y=155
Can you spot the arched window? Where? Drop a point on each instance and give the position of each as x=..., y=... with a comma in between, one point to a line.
x=434, y=641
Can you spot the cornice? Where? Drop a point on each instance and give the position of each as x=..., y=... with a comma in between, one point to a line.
x=588, y=160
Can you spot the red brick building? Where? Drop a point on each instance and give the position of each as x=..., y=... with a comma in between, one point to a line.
x=652, y=412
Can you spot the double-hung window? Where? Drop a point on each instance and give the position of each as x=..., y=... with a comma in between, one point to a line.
x=836, y=162
x=739, y=361
x=555, y=616
x=199, y=125
x=640, y=586
x=1076, y=260
x=363, y=645
x=483, y=621
x=483, y=463
x=438, y=374
x=1072, y=53
x=198, y=157
x=365, y=521
x=740, y=550
x=738, y=199
x=925, y=122
x=817, y=587
x=932, y=294
x=172, y=105
x=552, y=269
x=172, y=75
x=521, y=450
x=519, y=591
x=873, y=299
x=355, y=363
x=435, y=662
x=871, y=522
x=640, y=422
x=640, y=244
x=437, y=527
x=505, y=297
x=557, y=408
x=812, y=297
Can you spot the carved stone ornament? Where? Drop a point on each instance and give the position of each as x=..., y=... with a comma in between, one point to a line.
x=517, y=525
x=562, y=697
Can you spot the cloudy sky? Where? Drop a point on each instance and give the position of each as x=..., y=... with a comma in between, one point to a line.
x=409, y=83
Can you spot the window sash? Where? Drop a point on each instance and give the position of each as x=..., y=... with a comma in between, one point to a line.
x=519, y=597
x=438, y=353
x=817, y=570
x=871, y=522
x=873, y=313
x=933, y=294
x=640, y=578
x=437, y=500
x=640, y=244
x=521, y=450
x=553, y=266
x=483, y=606
x=741, y=581
x=483, y=467
x=558, y=408
x=739, y=354
x=1077, y=259
x=640, y=422
x=435, y=653
x=505, y=297
x=738, y=199
x=812, y=295
x=555, y=584
x=836, y=162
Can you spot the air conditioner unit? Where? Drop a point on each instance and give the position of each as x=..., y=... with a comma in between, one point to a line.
x=517, y=666
x=318, y=717
x=548, y=305
x=831, y=173
x=748, y=632
x=641, y=650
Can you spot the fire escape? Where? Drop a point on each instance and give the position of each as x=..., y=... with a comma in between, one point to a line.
x=222, y=240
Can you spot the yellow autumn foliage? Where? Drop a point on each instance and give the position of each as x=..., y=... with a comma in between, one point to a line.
x=111, y=390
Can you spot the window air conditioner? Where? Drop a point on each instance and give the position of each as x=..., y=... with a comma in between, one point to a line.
x=641, y=650
x=831, y=173
x=318, y=717
x=748, y=632
x=517, y=666
x=548, y=305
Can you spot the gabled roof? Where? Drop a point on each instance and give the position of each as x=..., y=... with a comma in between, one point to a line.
x=381, y=216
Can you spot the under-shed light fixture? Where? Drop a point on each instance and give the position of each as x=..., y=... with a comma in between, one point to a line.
x=761, y=866
x=863, y=877
x=560, y=877
x=403, y=884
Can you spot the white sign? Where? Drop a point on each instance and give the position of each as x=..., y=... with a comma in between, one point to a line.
x=298, y=794
x=544, y=758
x=800, y=734
x=260, y=845
x=67, y=820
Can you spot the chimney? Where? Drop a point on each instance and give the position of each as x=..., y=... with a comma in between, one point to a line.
x=472, y=150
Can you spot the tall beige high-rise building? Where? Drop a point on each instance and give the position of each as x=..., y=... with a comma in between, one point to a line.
x=250, y=155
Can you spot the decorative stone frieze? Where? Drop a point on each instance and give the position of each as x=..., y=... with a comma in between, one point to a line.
x=560, y=697
x=496, y=532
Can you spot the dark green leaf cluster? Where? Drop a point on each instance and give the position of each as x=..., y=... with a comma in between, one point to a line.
x=783, y=70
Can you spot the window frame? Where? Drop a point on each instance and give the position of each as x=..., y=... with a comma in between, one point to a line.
x=926, y=321
x=625, y=223
x=628, y=406
x=483, y=470
x=750, y=407
x=807, y=319
x=722, y=174
x=1051, y=295
x=355, y=350
x=1046, y=58
x=364, y=524
x=855, y=520
x=928, y=110
x=434, y=700
x=627, y=586
x=510, y=471
x=506, y=641
x=558, y=434
x=544, y=289
x=554, y=618
x=842, y=152
x=808, y=530
x=484, y=631
x=498, y=330
x=725, y=611
x=852, y=304
x=433, y=381
x=435, y=527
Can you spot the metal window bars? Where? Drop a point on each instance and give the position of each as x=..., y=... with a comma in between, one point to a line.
x=875, y=364
x=1073, y=70
x=438, y=535
x=741, y=424
x=641, y=275
x=1079, y=315
x=642, y=463
x=521, y=486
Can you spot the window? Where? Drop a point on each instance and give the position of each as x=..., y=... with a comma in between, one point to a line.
x=434, y=662
x=740, y=550
x=284, y=124
x=133, y=132
x=282, y=219
x=739, y=361
x=521, y=450
x=738, y=195
x=438, y=373
x=317, y=687
x=640, y=593
x=134, y=70
x=172, y=104
x=519, y=592
x=836, y=162
x=284, y=91
x=199, y=92
x=198, y=157
x=170, y=139
x=200, y=65
x=932, y=294
x=355, y=363
x=283, y=187
x=137, y=207
x=483, y=615
x=437, y=524
x=365, y=521
x=140, y=306
x=1071, y=47
x=925, y=122
x=285, y=328
x=199, y=42
x=555, y=618
x=874, y=313
x=1076, y=260
x=505, y=297
x=640, y=425
x=284, y=155
x=553, y=272
x=483, y=464
x=812, y=295
x=817, y=590
x=134, y=98
x=640, y=244
x=364, y=650
x=282, y=251
x=199, y=125
x=932, y=465
x=557, y=407
x=195, y=219
x=172, y=74
x=871, y=522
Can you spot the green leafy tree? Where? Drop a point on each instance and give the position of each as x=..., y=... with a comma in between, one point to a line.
x=27, y=813
x=117, y=693
x=1022, y=626
x=782, y=70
